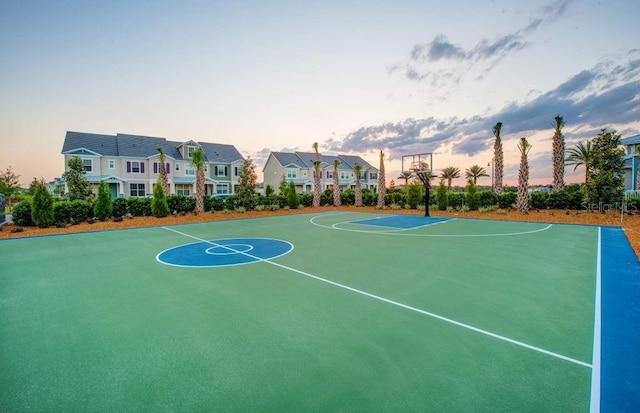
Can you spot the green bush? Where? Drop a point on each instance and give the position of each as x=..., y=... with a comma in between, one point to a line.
x=348, y=196
x=231, y=202
x=306, y=199
x=213, y=203
x=80, y=210
x=61, y=212
x=414, y=195
x=120, y=207
x=22, y=214
x=472, y=197
x=42, y=207
x=539, y=199
x=103, y=206
x=442, y=196
x=488, y=199
x=369, y=198
x=507, y=199
x=159, y=206
x=139, y=207
x=292, y=196
x=456, y=199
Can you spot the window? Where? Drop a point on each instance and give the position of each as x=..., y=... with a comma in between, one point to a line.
x=87, y=164
x=190, y=150
x=222, y=189
x=135, y=167
x=177, y=166
x=136, y=190
x=190, y=170
x=344, y=175
x=112, y=164
x=220, y=170
x=363, y=175
x=292, y=173
x=373, y=175
x=329, y=174
x=182, y=189
x=236, y=171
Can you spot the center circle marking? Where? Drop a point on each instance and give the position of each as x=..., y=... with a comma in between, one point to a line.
x=224, y=252
x=229, y=249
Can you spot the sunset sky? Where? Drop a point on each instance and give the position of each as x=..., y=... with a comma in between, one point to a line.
x=357, y=77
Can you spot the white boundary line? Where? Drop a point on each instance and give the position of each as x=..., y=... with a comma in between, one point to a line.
x=597, y=333
x=402, y=232
x=407, y=307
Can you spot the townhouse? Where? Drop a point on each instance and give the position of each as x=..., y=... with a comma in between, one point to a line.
x=297, y=167
x=631, y=162
x=130, y=163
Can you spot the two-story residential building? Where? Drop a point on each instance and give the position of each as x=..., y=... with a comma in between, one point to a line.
x=298, y=167
x=631, y=162
x=130, y=163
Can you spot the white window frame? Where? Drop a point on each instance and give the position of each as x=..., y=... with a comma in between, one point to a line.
x=139, y=186
x=292, y=173
x=222, y=189
x=136, y=169
x=190, y=170
x=183, y=189
x=112, y=164
x=87, y=162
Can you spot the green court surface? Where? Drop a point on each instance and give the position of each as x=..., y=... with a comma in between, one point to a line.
x=356, y=312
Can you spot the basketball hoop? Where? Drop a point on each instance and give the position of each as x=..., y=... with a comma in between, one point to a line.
x=419, y=165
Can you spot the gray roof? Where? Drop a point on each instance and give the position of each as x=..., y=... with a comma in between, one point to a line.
x=306, y=159
x=136, y=146
x=631, y=140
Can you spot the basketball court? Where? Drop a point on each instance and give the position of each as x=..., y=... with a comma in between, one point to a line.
x=337, y=311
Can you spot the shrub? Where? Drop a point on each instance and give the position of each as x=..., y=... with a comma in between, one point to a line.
x=413, y=195
x=213, y=203
x=292, y=196
x=120, y=207
x=103, y=206
x=369, y=198
x=507, y=199
x=488, y=198
x=61, y=212
x=80, y=210
x=42, y=207
x=306, y=199
x=539, y=199
x=22, y=214
x=472, y=196
x=139, y=207
x=442, y=196
x=348, y=196
x=159, y=205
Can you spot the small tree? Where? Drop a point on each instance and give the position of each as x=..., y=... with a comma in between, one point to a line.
x=606, y=178
x=283, y=186
x=159, y=203
x=198, y=160
x=9, y=183
x=357, y=169
x=164, y=179
x=103, y=206
x=413, y=193
x=442, y=196
x=42, y=207
x=475, y=172
x=247, y=184
x=316, y=176
x=472, y=196
x=79, y=187
x=292, y=196
x=450, y=173
x=337, y=201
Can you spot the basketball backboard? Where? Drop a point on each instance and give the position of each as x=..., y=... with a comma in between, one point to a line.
x=419, y=162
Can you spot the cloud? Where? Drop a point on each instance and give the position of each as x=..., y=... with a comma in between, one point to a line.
x=606, y=95
x=441, y=50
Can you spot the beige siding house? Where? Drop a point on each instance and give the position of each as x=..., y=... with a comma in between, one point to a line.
x=130, y=163
x=297, y=167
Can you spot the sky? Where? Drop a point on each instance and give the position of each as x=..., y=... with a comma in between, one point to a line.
x=357, y=77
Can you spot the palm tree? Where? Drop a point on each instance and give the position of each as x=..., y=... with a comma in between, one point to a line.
x=523, y=176
x=475, y=172
x=450, y=173
x=198, y=159
x=382, y=184
x=336, y=184
x=316, y=176
x=581, y=155
x=163, y=172
x=558, y=153
x=498, y=159
x=406, y=175
x=357, y=169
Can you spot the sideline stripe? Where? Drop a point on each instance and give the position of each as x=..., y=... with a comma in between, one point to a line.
x=595, y=372
x=407, y=307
